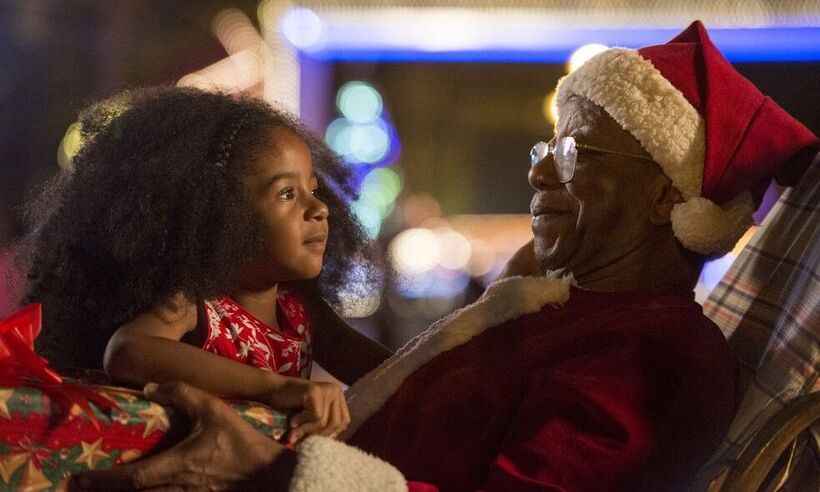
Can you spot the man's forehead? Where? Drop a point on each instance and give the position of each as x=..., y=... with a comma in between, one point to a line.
x=580, y=116
x=588, y=122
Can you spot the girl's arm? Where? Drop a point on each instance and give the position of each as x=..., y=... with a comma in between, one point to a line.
x=338, y=347
x=148, y=349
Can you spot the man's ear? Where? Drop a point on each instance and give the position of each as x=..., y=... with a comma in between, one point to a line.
x=664, y=198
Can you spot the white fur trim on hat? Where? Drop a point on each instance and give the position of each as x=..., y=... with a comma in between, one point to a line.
x=706, y=228
x=504, y=300
x=649, y=107
x=326, y=465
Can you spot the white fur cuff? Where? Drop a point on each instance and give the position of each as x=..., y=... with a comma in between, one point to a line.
x=504, y=300
x=649, y=107
x=327, y=465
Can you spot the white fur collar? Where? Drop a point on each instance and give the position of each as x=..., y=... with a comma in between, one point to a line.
x=504, y=300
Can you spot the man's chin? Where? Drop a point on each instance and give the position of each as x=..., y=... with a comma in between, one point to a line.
x=550, y=254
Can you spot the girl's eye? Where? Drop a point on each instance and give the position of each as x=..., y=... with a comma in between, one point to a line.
x=316, y=192
x=287, y=194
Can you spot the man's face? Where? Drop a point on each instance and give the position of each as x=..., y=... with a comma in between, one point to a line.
x=603, y=214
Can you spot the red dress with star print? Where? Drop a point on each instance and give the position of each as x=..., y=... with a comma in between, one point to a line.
x=233, y=332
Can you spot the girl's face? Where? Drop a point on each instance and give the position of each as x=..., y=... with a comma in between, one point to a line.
x=283, y=188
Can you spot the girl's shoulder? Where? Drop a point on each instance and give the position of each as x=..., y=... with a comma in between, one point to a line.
x=171, y=319
x=177, y=309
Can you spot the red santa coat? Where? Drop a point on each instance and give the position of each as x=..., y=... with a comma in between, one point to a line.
x=536, y=388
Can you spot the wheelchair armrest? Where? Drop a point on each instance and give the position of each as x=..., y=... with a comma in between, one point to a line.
x=757, y=460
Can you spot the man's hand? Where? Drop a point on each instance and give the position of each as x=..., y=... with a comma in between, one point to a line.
x=522, y=263
x=323, y=405
x=222, y=452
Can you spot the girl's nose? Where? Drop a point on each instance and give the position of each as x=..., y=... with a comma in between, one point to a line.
x=318, y=210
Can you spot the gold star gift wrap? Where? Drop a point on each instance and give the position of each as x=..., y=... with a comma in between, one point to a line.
x=42, y=443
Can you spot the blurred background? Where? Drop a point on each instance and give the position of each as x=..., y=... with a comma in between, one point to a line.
x=435, y=104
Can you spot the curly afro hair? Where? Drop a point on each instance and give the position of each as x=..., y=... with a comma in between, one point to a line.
x=154, y=206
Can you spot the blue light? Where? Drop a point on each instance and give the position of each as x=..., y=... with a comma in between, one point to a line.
x=770, y=44
x=714, y=270
x=369, y=143
x=337, y=136
x=437, y=282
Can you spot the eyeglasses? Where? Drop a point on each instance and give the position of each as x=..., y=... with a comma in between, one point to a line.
x=564, y=152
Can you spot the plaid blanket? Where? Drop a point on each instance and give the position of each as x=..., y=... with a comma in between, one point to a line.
x=768, y=306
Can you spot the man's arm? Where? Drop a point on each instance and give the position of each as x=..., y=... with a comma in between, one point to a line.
x=793, y=170
x=627, y=413
x=566, y=437
x=623, y=414
x=226, y=453
x=223, y=451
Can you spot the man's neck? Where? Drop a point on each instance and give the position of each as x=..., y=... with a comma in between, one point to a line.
x=655, y=266
x=260, y=303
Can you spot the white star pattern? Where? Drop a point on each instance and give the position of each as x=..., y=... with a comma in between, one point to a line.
x=234, y=333
x=275, y=337
x=244, y=347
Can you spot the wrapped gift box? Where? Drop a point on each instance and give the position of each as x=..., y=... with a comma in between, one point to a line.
x=52, y=426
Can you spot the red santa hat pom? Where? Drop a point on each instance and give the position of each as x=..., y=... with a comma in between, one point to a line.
x=714, y=134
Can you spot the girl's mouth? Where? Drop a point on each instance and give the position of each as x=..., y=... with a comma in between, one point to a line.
x=316, y=243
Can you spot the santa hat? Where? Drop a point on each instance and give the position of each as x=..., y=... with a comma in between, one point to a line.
x=714, y=134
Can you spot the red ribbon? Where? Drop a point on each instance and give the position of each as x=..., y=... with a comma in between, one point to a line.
x=21, y=366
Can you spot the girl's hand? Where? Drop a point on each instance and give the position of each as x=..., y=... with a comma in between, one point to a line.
x=324, y=409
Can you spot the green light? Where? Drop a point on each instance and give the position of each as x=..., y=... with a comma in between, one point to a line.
x=359, y=102
x=369, y=217
x=69, y=147
x=380, y=188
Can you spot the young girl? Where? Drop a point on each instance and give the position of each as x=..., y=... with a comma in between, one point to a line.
x=182, y=246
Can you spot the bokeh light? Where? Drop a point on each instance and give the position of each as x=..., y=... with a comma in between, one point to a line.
x=583, y=54
x=368, y=143
x=414, y=251
x=430, y=262
x=419, y=207
x=482, y=258
x=379, y=189
x=359, y=102
x=550, y=107
x=337, y=136
x=361, y=295
x=444, y=29
x=69, y=146
x=369, y=216
x=455, y=249
x=377, y=198
x=302, y=28
x=433, y=283
x=359, y=307
x=358, y=144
